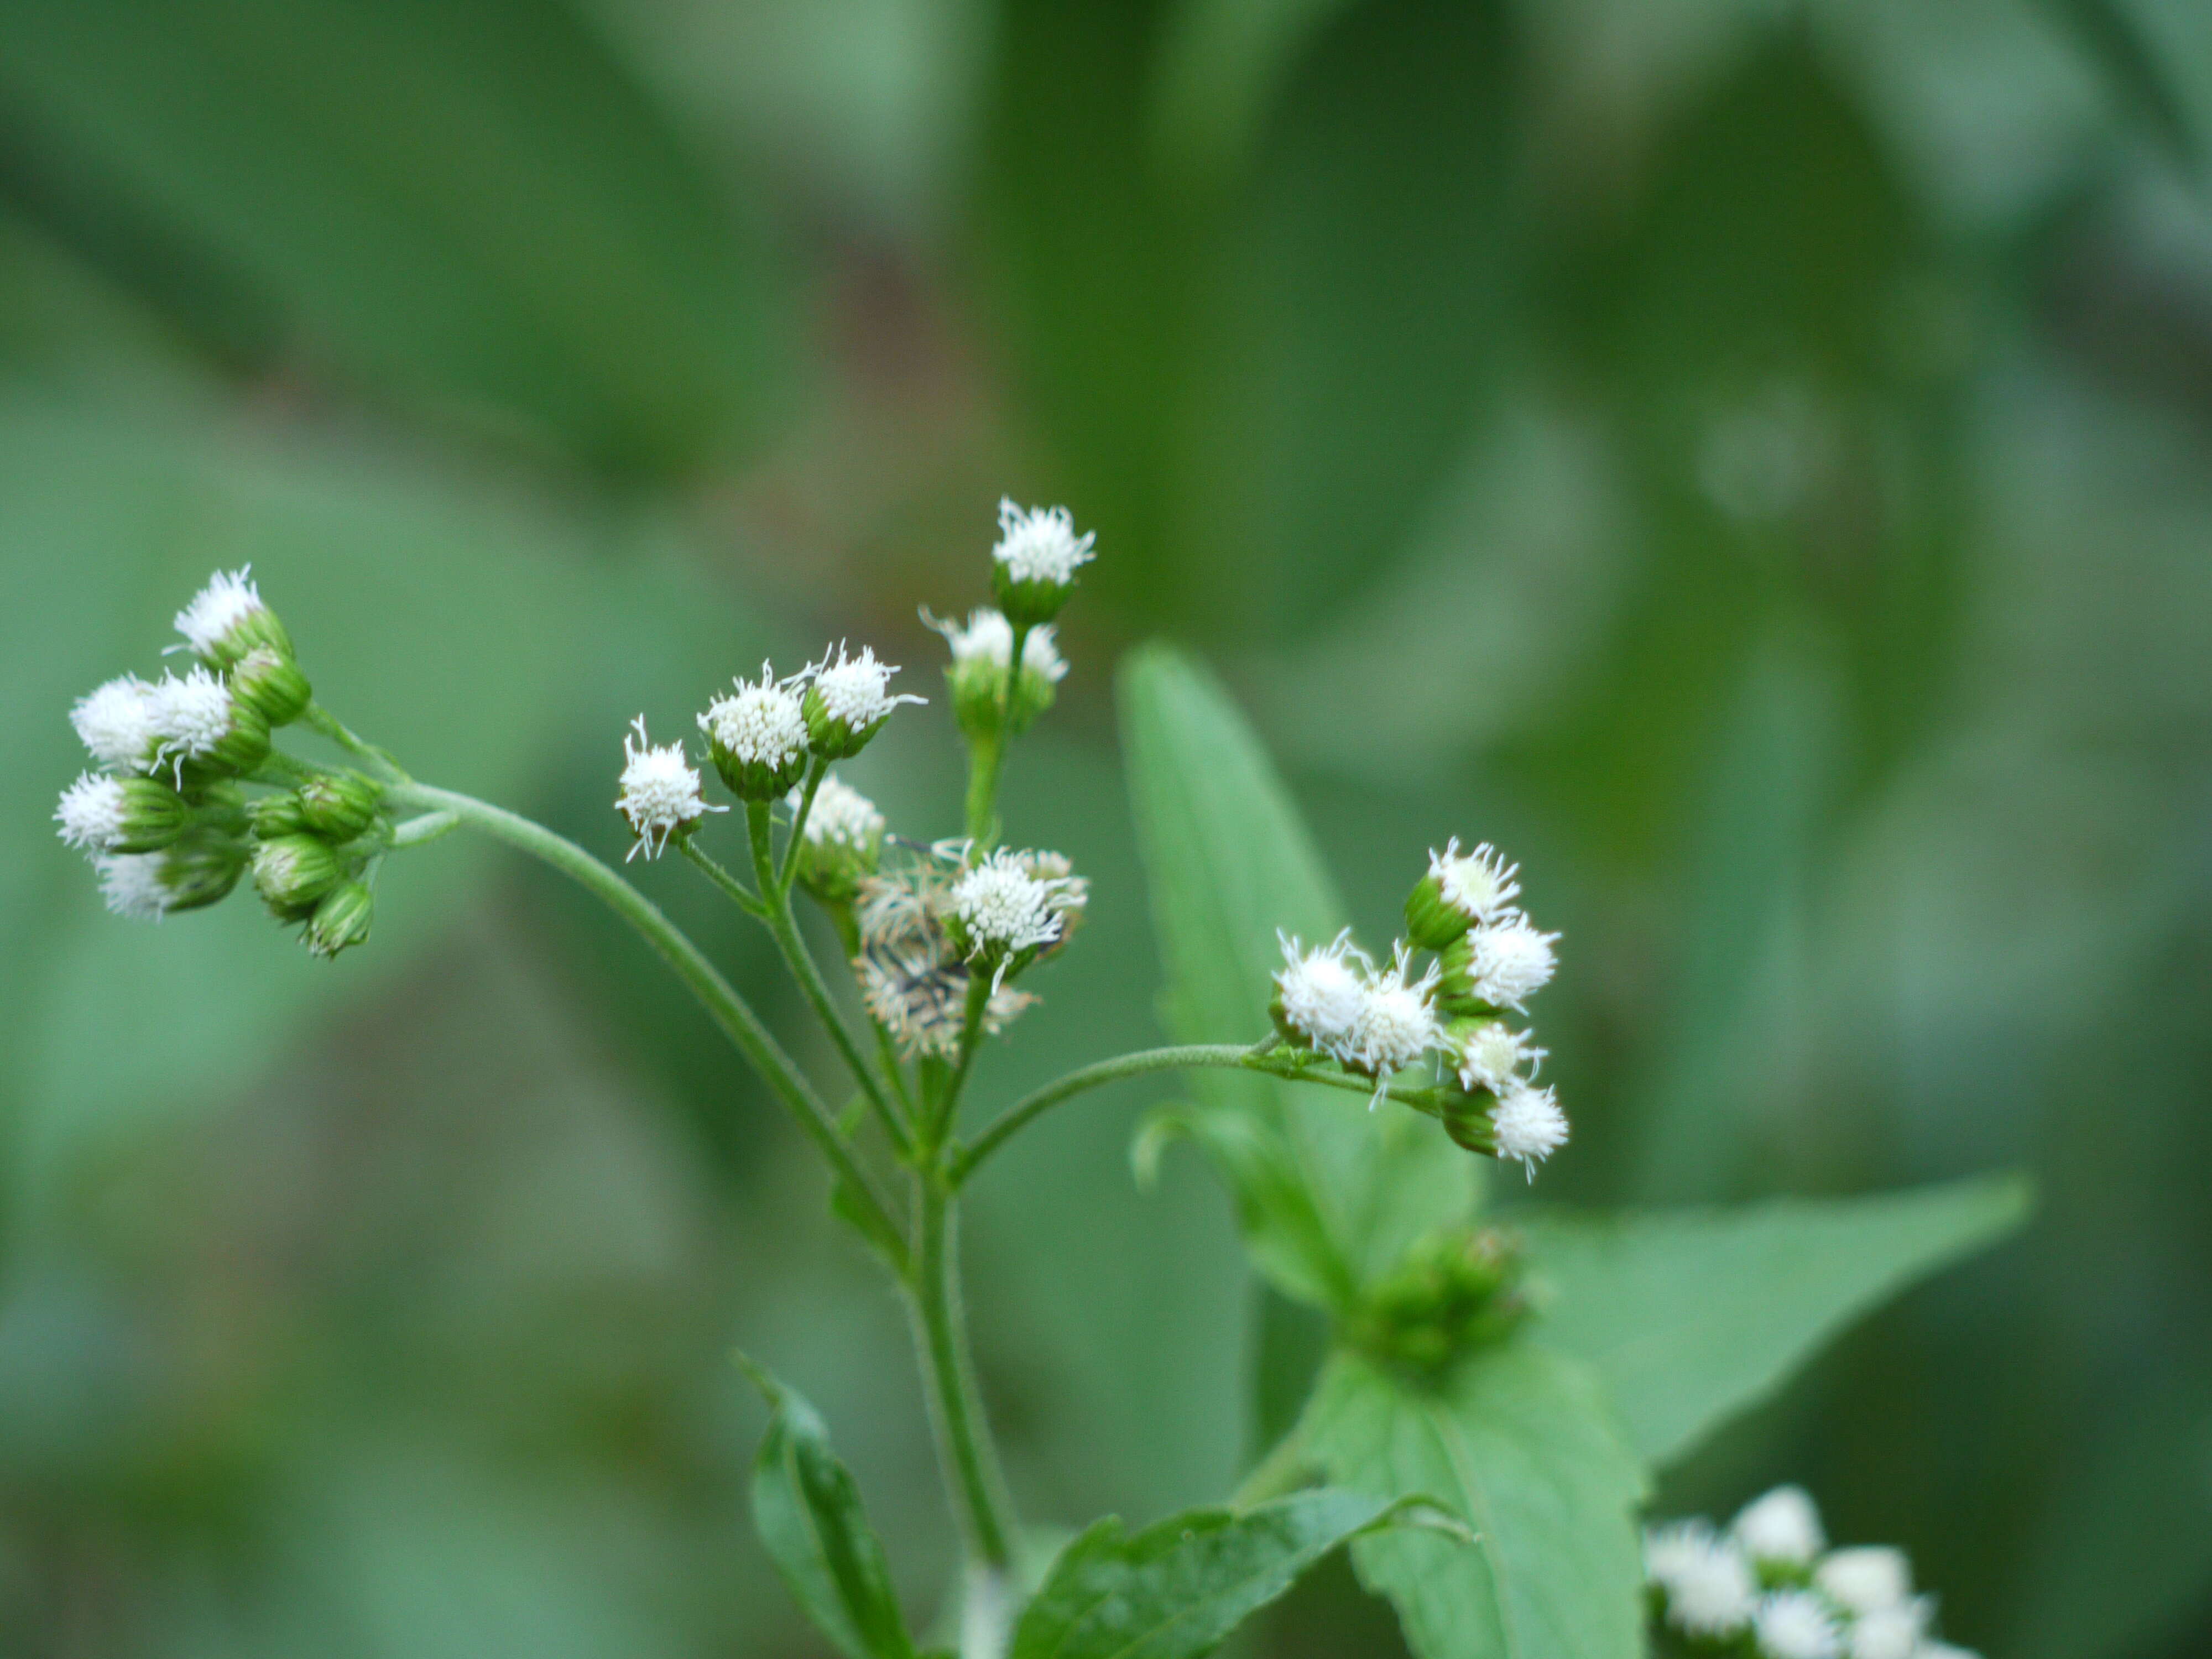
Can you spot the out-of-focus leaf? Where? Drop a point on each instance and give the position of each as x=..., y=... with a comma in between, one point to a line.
x=1329, y=1193
x=809, y=1515
x=468, y=199
x=1222, y=64
x=2116, y=40
x=1691, y=1316
x=1174, y=1590
x=1522, y=1443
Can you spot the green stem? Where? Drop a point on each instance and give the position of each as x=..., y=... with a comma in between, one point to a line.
x=815, y=774
x=729, y=1011
x=1280, y=1474
x=735, y=891
x=971, y=1033
x=1189, y=1057
x=416, y=831
x=963, y=1442
x=316, y=718
x=983, y=785
x=800, y=960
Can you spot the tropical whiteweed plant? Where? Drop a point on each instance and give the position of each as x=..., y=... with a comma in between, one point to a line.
x=1481, y=1427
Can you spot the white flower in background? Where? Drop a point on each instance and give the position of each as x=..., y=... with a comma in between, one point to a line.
x=209, y=622
x=1479, y=884
x=131, y=884
x=1492, y=1054
x=1004, y=909
x=1322, y=992
x=91, y=813
x=1795, y=1624
x=841, y=816
x=1397, y=1022
x=1866, y=1578
x=659, y=792
x=1509, y=961
x=758, y=725
x=857, y=690
x=1932, y=1650
x=116, y=723
x=989, y=637
x=1529, y=1125
x=1709, y=1588
x=1892, y=1632
x=1040, y=544
x=1782, y=1526
x=189, y=715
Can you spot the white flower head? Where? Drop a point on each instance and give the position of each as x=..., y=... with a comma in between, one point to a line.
x=1491, y=1056
x=1005, y=909
x=1710, y=1590
x=1322, y=991
x=116, y=723
x=1867, y=1578
x=1509, y=961
x=659, y=791
x=1040, y=544
x=189, y=715
x=1478, y=884
x=1397, y=1022
x=1528, y=1124
x=131, y=885
x=857, y=690
x=229, y=598
x=91, y=813
x=759, y=725
x=1931, y=1649
x=1783, y=1525
x=1892, y=1632
x=987, y=637
x=841, y=816
x=1795, y=1624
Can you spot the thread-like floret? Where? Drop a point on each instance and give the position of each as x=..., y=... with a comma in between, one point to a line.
x=1479, y=884
x=1491, y=1056
x=1795, y=1624
x=758, y=725
x=661, y=790
x=1866, y=1578
x=841, y=816
x=1004, y=908
x=1529, y=1125
x=1039, y=545
x=1509, y=961
x=131, y=886
x=1892, y=1632
x=1397, y=1022
x=1782, y=1525
x=1321, y=991
x=857, y=690
x=1710, y=1589
x=987, y=637
x=192, y=715
x=91, y=813
x=115, y=723
x=229, y=598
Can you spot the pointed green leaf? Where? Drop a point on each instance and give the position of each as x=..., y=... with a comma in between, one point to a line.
x=1174, y=1590
x=809, y=1518
x=1691, y=1317
x=1328, y=1194
x=1523, y=1444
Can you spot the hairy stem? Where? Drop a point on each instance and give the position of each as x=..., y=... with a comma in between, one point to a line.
x=815, y=773
x=731, y=889
x=1189, y=1057
x=800, y=960
x=964, y=1439
x=729, y=1011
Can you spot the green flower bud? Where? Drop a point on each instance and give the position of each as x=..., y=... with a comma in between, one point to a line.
x=1456, y=1293
x=841, y=843
x=293, y=874
x=99, y=814
x=757, y=738
x=846, y=701
x=339, y=807
x=1466, y=1121
x=1460, y=891
x=227, y=619
x=271, y=684
x=977, y=676
x=1033, y=566
x=200, y=868
x=341, y=920
x=276, y=815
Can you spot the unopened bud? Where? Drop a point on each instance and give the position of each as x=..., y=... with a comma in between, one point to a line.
x=276, y=815
x=227, y=619
x=339, y=805
x=293, y=872
x=271, y=684
x=340, y=921
x=1454, y=1293
x=201, y=868
x=1033, y=566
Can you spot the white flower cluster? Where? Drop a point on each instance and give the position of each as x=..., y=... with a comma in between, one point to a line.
x=913, y=973
x=1375, y=1021
x=1770, y=1586
x=841, y=816
x=661, y=790
x=760, y=725
x=986, y=638
x=1039, y=545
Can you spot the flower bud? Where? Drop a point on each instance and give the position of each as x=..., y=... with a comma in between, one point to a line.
x=1460, y=891
x=977, y=676
x=1456, y=1293
x=841, y=844
x=227, y=619
x=201, y=868
x=276, y=815
x=1033, y=566
x=102, y=814
x=339, y=807
x=293, y=874
x=757, y=738
x=340, y=921
x=846, y=701
x=270, y=685
x=1466, y=1121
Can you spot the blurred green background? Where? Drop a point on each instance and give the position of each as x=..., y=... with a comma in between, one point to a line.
x=1754, y=460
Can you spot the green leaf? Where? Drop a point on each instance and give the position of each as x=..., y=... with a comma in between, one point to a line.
x=1327, y=1193
x=809, y=1515
x=1523, y=1444
x=1692, y=1316
x=1174, y=1590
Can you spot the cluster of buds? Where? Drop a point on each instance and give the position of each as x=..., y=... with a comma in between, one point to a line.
x=165, y=817
x=1768, y=1587
x=1488, y=958
x=945, y=919
x=1455, y=1292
